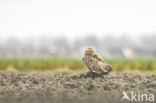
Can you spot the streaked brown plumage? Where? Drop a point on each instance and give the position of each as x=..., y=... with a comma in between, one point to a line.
x=95, y=62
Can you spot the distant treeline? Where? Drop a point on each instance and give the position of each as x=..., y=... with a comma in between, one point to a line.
x=107, y=46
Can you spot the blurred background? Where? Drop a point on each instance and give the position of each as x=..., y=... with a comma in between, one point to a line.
x=52, y=34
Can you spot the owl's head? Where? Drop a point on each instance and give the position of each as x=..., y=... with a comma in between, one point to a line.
x=89, y=52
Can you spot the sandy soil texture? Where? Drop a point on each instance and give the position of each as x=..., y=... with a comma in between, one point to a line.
x=70, y=88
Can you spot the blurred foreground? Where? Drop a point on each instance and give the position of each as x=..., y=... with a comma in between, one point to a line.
x=69, y=88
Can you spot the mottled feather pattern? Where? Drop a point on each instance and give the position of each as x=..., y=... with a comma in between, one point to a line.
x=95, y=63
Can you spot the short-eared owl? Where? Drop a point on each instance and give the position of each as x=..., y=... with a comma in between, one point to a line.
x=95, y=62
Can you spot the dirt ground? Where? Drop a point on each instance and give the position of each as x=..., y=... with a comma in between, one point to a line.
x=70, y=88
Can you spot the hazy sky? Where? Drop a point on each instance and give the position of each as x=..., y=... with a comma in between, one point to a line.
x=76, y=18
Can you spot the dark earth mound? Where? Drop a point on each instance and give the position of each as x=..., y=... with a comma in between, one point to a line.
x=69, y=88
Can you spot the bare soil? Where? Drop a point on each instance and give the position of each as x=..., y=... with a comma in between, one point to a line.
x=70, y=88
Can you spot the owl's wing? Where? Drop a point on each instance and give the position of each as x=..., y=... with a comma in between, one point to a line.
x=95, y=65
x=103, y=66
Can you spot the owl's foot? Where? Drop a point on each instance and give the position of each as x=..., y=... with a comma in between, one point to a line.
x=105, y=73
x=93, y=74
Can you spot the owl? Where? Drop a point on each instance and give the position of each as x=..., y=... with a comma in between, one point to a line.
x=95, y=62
